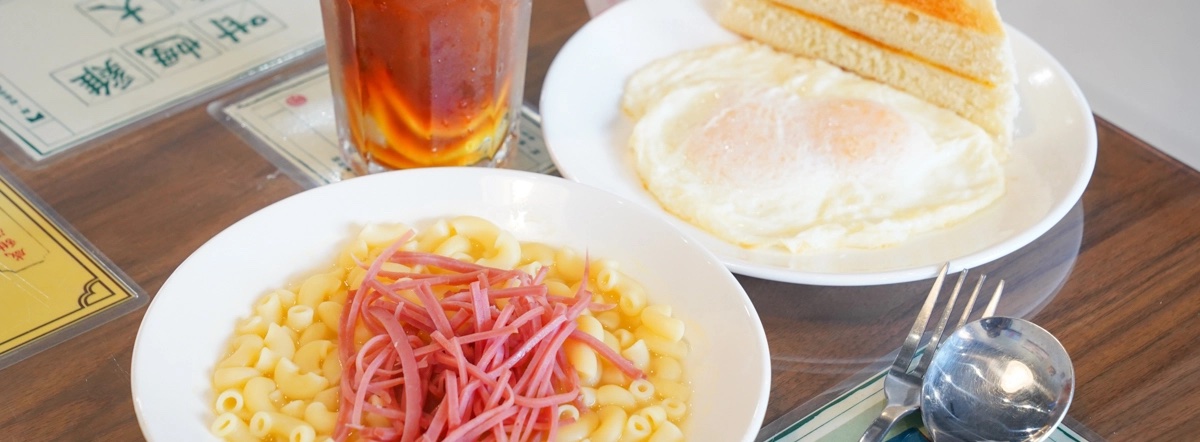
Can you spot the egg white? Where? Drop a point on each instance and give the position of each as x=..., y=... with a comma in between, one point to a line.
x=769, y=150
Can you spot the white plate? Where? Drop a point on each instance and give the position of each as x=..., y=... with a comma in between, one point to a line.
x=1053, y=154
x=192, y=317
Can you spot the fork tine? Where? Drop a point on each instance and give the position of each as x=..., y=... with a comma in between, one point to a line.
x=966, y=314
x=909, y=348
x=991, y=307
x=934, y=341
x=935, y=338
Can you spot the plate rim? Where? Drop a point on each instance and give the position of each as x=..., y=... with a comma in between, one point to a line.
x=1055, y=213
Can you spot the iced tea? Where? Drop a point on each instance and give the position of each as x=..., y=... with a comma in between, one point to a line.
x=426, y=82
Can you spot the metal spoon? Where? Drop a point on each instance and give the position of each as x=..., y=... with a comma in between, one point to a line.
x=997, y=379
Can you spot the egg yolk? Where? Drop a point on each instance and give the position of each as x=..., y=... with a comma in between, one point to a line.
x=855, y=130
x=739, y=143
x=761, y=137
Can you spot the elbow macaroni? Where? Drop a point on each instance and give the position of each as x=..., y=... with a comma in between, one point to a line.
x=652, y=339
x=280, y=378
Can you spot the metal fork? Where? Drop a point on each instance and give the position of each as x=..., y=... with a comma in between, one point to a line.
x=902, y=386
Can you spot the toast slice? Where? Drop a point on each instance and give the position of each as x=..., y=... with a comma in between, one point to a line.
x=952, y=53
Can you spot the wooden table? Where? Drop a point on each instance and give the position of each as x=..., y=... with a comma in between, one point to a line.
x=1128, y=311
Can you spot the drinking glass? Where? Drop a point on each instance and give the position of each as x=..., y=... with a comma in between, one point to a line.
x=420, y=83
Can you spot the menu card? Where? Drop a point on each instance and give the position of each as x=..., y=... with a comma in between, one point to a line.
x=71, y=70
x=292, y=123
x=848, y=416
x=52, y=284
x=595, y=7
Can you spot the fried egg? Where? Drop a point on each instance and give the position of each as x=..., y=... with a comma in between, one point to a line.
x=768, y=150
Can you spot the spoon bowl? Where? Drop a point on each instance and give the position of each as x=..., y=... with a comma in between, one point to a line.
x=997, y=379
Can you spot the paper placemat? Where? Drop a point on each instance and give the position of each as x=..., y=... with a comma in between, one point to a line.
x=292, y=124
x=53, y=284
x=71, y=70
x=848, y=416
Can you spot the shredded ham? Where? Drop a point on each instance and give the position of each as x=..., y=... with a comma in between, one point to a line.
x=460, y=352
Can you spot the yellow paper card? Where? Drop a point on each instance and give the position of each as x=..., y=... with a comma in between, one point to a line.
x=51, y=285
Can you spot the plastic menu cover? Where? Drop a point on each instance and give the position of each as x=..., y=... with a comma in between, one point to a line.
x=848, y=415
x=53, y=284
x=74, y=70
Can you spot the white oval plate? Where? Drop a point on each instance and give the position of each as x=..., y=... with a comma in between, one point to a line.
x=191, y=319
x=1052, y=158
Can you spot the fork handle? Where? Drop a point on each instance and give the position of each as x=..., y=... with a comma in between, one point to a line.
x=884, y=422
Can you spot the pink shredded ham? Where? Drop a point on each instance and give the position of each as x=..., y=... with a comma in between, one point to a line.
x=444, y=360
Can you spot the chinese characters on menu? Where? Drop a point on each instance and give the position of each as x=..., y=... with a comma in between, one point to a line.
x=86, y=67
x=203, y=37
x=16, y=248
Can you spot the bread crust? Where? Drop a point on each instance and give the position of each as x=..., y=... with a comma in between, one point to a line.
x=976, y=15
x=964, y=36
x=991, y=106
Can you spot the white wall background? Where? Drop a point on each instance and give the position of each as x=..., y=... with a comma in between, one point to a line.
x=1138, y=62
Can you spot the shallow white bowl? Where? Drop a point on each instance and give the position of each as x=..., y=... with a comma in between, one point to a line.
x=191, y=319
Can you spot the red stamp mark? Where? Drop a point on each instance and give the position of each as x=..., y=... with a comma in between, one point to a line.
x=296, y=100
x=10, y=248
